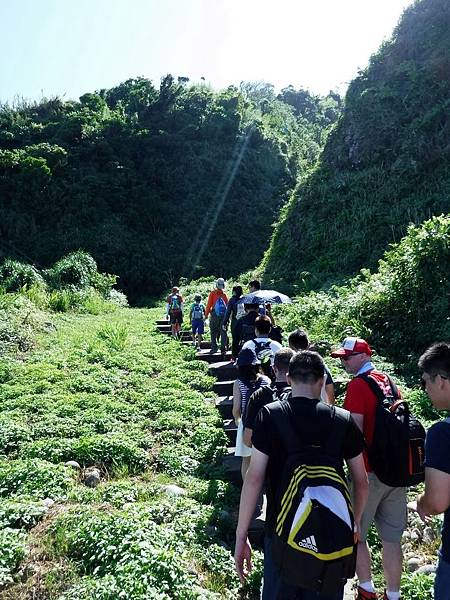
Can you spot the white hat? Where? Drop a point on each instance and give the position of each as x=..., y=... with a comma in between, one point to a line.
x=220, y=283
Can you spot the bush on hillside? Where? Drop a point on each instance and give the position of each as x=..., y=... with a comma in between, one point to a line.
x=78, y=270
x=401, y=309
x=14, y=275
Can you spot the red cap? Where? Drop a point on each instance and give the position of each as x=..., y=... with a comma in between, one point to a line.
x=352, y=345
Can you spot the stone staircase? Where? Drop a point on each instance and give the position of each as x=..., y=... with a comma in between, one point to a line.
x=225, y=373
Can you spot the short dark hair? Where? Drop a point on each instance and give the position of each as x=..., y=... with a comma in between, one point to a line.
x=197, y=298
x=238, y=289
x=282, y=358
x=263, y=324
x=436, y=359
x=306, y=366
x=255, y=284
x=298, y=340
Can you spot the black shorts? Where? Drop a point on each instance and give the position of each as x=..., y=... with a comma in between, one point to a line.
x=176, y=317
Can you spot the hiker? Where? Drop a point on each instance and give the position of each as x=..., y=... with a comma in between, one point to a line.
x=197, y=318
x=386, y=505
x=435, y=366
x=174, y=311
x=249, y=379
x=262, y=345
x=267, y=394
x=254, y=286
x=323, y=433
x=245, y=326
x=235, y=310
x=216, y=308
x=298, y=340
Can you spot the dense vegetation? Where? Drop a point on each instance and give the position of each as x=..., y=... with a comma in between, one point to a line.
x=151, y=181
x=107, y=391
x=385, y=165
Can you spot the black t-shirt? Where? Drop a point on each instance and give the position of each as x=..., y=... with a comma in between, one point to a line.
x=245, y=326
x=437, y=456
x=261, y=397
x=305, y=421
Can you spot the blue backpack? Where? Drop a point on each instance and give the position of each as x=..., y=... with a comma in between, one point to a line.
x=220, y=308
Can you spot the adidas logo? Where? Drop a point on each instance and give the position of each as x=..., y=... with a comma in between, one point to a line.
x=310, y=543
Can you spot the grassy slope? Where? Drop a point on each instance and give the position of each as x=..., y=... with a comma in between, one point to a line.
x=107, y=390
x=384, y=166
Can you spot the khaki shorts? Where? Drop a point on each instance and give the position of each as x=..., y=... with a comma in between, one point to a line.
x=387, y=507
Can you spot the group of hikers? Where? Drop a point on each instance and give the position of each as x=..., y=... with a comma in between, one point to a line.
x=295, y=444
x=222, y=312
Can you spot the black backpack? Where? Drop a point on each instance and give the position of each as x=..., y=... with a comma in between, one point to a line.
x=263, y=350
x=314, y=544
x=397, y=451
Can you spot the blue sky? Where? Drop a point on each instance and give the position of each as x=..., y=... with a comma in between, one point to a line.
x=69, y=47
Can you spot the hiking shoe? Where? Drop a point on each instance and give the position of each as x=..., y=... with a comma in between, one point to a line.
x=363, y=595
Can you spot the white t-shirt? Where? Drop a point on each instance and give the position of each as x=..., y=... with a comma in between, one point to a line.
x=272, y=345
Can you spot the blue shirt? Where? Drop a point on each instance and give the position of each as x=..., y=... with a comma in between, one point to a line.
x=437, y=456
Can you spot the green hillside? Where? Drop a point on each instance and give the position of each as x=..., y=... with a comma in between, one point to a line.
x=152, y=182
x=385, y=165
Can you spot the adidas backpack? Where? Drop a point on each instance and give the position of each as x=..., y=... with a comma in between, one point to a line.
x=397, y=451
x=313, y=544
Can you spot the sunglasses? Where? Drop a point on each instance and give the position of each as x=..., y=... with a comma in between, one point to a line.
x=423, y=382
x=346, y=357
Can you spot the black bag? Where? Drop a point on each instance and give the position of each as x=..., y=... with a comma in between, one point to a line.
x=397, y=451
x=313, y=544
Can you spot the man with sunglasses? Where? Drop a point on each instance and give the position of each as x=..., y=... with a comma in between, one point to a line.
x=386, y=505
x=435, y=366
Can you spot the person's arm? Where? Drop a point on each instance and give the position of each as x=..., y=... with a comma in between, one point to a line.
x=359, y=420
x=190, y=313
x=251, y=490
x=248, y=436
x=236, y=402
x=329, y=390
x=209, y=304
x=436, y=498
x=268, y=309
x=360, y=487
x=227, y=314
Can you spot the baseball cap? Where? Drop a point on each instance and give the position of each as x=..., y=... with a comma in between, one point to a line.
x=352, y=345
x=175, y=289
x=220, y=283
x=247, y=357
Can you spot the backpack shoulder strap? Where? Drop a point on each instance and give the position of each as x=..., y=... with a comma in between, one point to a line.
x=376, y=388
x=331, y=417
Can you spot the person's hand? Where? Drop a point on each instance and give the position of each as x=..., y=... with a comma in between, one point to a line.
x=416, y=507
x=243, y=557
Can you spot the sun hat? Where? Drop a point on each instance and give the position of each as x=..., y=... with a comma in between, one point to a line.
x=352, y=345
x=220, y=283
x=247, y=357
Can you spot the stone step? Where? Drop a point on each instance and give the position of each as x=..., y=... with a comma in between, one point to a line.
x=256, y=532
x=232, y=467
x=229, y=426
x=224, y=388
x=224, y=405
x=213, y=358
x=183, y=335
x=223, y=371
x=203, y=345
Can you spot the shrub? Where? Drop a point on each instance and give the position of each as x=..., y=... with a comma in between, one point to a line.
x=36, y=478
x=12, y=552
x=114, y=335
x=21, y=513
x=15, y=276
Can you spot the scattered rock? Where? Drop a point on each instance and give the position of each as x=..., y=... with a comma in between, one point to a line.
x=91, y=478
x=429, y=535
x=415, y=535
x=427, y=569
x=413, y=564
x=73, y=464
x=174, y=490
x=48, y=502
